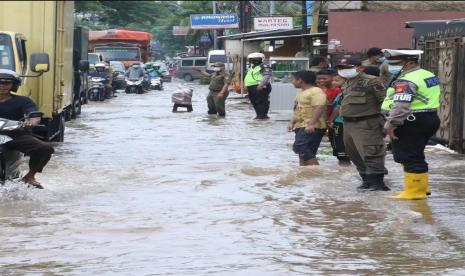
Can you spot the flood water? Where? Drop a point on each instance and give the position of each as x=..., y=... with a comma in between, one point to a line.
x=139, y=190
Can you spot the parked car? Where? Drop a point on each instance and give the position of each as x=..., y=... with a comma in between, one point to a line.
x=185, y=65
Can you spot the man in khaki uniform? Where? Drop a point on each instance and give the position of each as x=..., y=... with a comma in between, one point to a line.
x=376, y=59
x=363, y=123
x=219, y=83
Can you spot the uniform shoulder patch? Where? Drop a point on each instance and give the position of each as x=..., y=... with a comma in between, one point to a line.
x=402, y=86
x=432, y=81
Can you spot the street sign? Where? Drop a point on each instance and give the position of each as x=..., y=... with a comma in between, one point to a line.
x=214, y=21
x=272, y=23
x=180, y=30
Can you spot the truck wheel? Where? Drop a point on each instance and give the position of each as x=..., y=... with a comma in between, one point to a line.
x=60, y=137
x=188, y=77
x=68, y=113
x=76, y=108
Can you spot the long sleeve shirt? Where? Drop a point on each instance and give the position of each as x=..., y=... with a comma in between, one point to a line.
x=401, y=107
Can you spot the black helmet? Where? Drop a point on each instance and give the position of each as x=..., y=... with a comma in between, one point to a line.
x=6, y=74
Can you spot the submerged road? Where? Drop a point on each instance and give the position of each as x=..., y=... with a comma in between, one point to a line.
x=139, y=190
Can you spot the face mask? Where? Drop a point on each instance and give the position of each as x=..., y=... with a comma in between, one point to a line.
x=347, y=73
x=381, y=59
x=395, y=69
x=256, y=62
x=216, y=69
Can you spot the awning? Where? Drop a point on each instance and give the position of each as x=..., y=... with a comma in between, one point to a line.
x=256, y=34
x=437, y=28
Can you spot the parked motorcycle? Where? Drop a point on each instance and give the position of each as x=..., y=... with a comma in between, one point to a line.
x=11, y=160
x=156, y=83
x=134, y=85
x=97, y=89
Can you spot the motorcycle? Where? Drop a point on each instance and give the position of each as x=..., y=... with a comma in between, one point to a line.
x=155, y=83
x=11, y=160
x=134, y=85
x=146, y=82
x=118, y=80
x=97, y=89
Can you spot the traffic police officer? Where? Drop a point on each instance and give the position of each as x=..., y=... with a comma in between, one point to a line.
x=257, y=82
x=412, y=101
x=363, y=123
x=219, y=83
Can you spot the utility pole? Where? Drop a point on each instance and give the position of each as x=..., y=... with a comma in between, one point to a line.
x=215, y=42
x=272, y=8
x=304, y=25
x=245, y=14
x=315, y=16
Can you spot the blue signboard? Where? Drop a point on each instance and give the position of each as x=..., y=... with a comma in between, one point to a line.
x=214, y=21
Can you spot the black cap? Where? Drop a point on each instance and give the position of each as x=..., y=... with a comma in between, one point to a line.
x=349, y=62
x=374, y=52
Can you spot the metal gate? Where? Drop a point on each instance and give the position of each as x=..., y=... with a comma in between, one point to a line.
x=446, y=58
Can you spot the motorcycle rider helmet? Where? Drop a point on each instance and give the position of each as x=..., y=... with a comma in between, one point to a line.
x=6, y=74
x=136, y=65
x=148, y=65
x=256, y=58
x=100, y=65
x=156, y=66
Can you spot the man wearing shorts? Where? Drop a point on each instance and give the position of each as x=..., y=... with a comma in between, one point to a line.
x=309, y=120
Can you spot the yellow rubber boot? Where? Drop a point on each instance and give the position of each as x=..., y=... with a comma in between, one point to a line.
x=415, y=186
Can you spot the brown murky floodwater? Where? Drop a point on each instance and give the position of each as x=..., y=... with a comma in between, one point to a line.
x=138, y=190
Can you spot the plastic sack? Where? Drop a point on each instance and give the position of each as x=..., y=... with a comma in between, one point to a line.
x=183, y=95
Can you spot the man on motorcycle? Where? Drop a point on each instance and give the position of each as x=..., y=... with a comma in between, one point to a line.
x=101, y=73
x=13, y=107
x=157, y=72
x=135, y=72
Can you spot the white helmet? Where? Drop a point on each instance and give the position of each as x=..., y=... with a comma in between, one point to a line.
x=11, y=75
x=100, y=64
x=256, y=55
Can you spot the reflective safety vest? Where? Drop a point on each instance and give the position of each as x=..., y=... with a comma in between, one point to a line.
x=254, y=76
x=427, y=96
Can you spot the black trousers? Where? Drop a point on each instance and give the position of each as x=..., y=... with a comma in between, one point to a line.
x=336, y=138
x=39, y=151
x=409, y=149
x=260, y=99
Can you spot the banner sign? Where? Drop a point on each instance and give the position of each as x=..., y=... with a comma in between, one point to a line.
x=272, y=23
x=214, y=21
x=180, y=30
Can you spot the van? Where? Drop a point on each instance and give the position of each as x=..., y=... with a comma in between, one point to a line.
x=218, y=56
x=185, y=65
